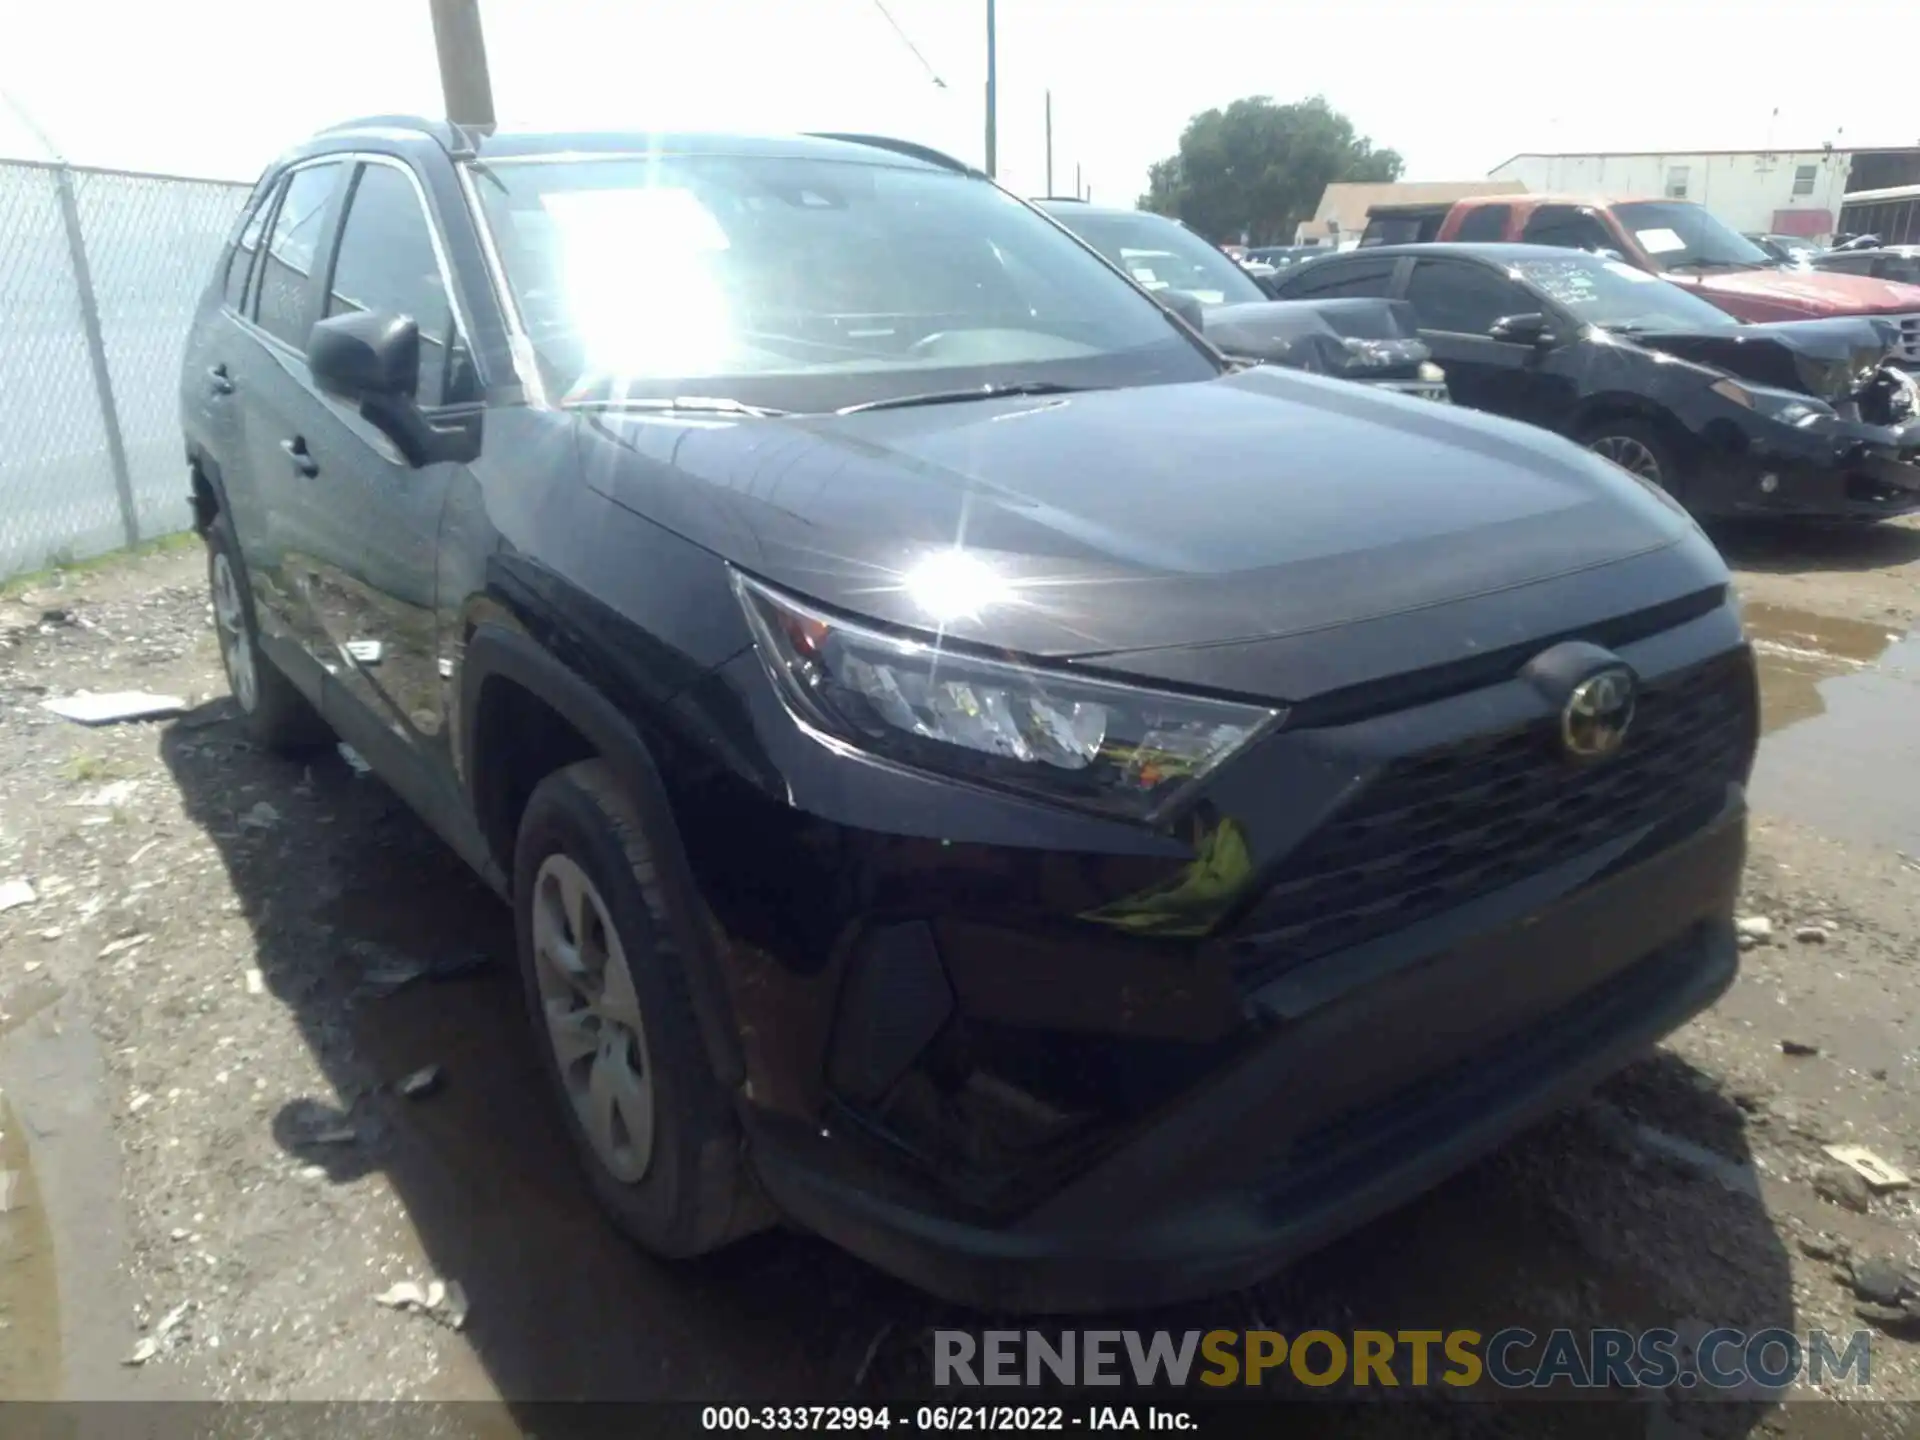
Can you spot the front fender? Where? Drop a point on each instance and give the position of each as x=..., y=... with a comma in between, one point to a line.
x=497, y=651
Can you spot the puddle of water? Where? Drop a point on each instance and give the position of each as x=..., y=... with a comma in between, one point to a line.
x=29, y=1294
x=1840, y=705
x=1798, y=650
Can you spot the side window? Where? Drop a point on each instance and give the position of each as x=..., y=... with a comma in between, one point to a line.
x=1326, y=278
x=1849, y=264
x=1463, y=299
x=1485, y=222
x=240, y=261
x=1903, y=268
x=1568, y=227
x=386, y=263
x=290, y=253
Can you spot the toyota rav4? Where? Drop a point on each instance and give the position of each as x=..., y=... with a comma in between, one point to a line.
x=975, y=773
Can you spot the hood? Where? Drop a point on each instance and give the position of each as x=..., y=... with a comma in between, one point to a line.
x=1832, y=360
x=1261, y=504
x=1788, y=293
x=1356, y=339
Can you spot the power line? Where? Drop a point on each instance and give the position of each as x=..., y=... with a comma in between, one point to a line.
x=907, y=40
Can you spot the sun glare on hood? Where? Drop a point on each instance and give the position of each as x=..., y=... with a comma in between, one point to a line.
x=952, y=585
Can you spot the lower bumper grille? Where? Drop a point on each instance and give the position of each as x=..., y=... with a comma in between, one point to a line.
x=1435, y=830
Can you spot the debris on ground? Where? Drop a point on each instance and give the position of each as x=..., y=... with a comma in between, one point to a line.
x=442, y=1300
x=122, y=945
x=1798, y=1047
x=352, y=756
x=1753, y=930
x=1879, y=1281
x=86, y=708
x=384, y=971
x=15, y=893
x=421, y=1082
x=256, y=982
x=1811, y=934
x=261, y=817
x=110, y=797
x=1869, y=1167
x=1825, y=1247
x=143, y=1352
x=1841, y=1186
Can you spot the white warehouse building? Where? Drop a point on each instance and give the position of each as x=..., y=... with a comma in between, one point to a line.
x=1780, y=192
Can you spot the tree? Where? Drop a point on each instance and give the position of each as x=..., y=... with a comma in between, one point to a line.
x=1258, y=169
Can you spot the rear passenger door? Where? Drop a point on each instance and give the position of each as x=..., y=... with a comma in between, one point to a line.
x=270, y=380
x=1457, y=302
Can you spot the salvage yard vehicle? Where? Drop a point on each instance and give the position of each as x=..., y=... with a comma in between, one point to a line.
x=1802, y=418
x=1885, y=262
x=1365, y=340
x=1674, y=239
x=976, y=774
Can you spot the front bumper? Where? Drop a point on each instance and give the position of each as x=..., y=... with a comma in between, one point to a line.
x=1843, y=471
x=1294, y=1146
x=983, y=1052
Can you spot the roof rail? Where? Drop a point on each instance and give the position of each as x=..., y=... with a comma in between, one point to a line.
x=908, y=148
x=1071, y=199
x=456, y=140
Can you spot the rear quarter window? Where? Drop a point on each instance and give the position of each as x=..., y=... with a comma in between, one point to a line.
x=1485, y=222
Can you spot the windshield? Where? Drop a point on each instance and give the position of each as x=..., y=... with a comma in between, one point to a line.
x=1620, y=297
x=802, y=284
x=1163, y=254
x=1680, y=236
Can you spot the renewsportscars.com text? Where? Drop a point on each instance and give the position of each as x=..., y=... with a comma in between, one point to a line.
x=1514, y=1358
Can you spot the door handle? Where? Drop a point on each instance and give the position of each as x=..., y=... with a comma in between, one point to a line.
x=296, y=452
x=219, y=380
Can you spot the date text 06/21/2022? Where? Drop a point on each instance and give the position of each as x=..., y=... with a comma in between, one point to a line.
x=942, y=1418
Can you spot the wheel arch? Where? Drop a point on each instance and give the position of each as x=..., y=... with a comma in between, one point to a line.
x=519, y=702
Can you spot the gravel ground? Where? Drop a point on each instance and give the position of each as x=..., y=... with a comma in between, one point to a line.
x=231, y=962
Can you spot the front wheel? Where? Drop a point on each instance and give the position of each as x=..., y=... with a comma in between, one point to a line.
x=1638, y=448
x=607, y=994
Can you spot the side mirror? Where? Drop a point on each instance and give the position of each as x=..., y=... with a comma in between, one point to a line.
x=1528, y=329
x=374, y=360
x=366, y=355
x=1183, y=304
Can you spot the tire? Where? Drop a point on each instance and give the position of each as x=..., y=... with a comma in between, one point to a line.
x=1639, y=448
x=277, y=716
x=650, y=1124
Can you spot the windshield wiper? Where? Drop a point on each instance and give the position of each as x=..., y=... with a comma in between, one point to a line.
x=978, y=392
x=696, y=404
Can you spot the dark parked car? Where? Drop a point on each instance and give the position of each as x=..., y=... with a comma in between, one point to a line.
x=1363, y=340
x=1070, y=819
x=1285, y=257
x=1900, y=263
x=1803, y=418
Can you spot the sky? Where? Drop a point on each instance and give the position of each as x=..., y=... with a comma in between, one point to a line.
x=216, y=87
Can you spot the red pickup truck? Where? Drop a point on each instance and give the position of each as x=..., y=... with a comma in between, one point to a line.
x=1674, y=239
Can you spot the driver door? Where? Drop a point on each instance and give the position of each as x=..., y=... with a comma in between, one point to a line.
x=1457, y=303
x=370, y=572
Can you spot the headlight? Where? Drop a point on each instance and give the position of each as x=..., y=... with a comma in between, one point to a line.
x=1431, y=372
x=1084, y=742
x=1782, y=405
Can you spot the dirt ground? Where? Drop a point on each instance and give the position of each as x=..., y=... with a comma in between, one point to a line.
x=229, y=962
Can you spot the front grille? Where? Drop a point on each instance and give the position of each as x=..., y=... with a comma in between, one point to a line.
x=1908, y=348
x=1435, y=830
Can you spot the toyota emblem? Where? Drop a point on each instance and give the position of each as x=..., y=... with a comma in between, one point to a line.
x=1594, y=720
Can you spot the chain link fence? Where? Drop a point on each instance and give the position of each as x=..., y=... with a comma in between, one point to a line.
x=100, y=272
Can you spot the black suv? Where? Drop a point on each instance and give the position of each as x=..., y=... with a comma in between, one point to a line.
x=976, y=774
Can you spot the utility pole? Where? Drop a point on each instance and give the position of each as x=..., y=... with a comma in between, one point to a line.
x=462, y=50
x=992, y=120
x=1049, y=142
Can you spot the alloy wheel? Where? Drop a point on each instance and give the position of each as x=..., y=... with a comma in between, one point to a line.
x=236, y=644
x=593, y=1019
x=1630, y=455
